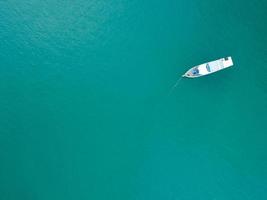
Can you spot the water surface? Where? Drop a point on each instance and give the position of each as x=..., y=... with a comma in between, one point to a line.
x=85, y=111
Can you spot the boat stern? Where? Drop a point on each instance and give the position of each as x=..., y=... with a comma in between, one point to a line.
x=227, y=61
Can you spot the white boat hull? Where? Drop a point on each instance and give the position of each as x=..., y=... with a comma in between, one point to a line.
x=209, y=67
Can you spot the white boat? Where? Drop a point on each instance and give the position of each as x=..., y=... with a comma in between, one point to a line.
x=209, y=67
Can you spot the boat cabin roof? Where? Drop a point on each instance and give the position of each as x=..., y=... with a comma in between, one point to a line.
x=203, y=69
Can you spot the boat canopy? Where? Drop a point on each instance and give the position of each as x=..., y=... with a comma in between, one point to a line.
x=202, y=69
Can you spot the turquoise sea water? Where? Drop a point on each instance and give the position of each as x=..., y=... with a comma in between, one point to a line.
x=84, y=105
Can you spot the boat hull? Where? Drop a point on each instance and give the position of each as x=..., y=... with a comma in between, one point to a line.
x=209, y=68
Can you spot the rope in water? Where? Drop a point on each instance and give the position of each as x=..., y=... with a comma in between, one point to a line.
x=175, y=85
